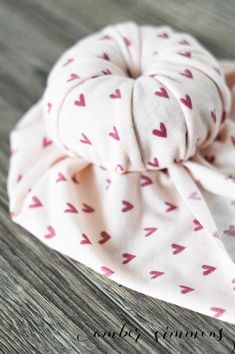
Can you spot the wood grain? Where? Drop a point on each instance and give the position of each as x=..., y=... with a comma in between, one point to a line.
x=47, y=299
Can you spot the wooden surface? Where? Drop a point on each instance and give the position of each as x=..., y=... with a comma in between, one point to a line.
x=47, y=300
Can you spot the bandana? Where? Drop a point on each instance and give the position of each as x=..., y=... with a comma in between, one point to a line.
x=126, y=164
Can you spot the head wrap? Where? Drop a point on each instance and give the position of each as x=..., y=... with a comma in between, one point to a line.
x=126, y=164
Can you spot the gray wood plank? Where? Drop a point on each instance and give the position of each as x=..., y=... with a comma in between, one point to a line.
x=47, y=299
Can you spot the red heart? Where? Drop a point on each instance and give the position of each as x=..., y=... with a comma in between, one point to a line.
x=71, y=209
x=127, y=206
x=87, y=208
x=233, y=281
x=150, y=230
x=36, y=203
x=162, y=132
x=81, y=101
x=106, y=271
x=198, y=225
x=117, y=94
x=163, y=35
x=51, y=233
x=187, y=101
x=105, y=56
x=218, y=311
x=187, y=73
x=49, y=106
x=171, y=207
x=128, y=257
x=146, y=181
x=46, y=142
x=85, y=240
x=177, y=248
x=185, y=289
x=85, y=139
x=104, y=237
x=69, y=61
x=155, y=274
x=72, y=77
x=185, y=54
x=208, y=269
x=60, y=177
x=184, y=41
x=114, y=134
x=154, y=162
x=162, y=93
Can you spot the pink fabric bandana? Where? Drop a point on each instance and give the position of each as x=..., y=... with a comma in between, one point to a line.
x=126, y=164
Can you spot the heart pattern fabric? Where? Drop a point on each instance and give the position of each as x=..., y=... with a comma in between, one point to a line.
x=127, y=165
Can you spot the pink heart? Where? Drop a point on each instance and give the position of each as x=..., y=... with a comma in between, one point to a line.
x=187, y=73
x=213, y=116
x=150, y=230
x=208, y=269
x=194, y=195
x=233, y=281
x=198, y=225
x=119, y=168
x=106, y=72
x=46, y=142
x=163, y=35
x=184, y=42
x=19, y=178
x=218, y=311
x=185, y=54
x=127, y=206
x=73, y=76
x=185, y=289
x=51, y=233
x=81, y=101
x=154, y=162
x=162, y=93
x=106, y=271
x=87, y=208
x=85, y=139
x=114, y=134
x=49, y=106
x=171, y=207
x=36, y=203
x=177, y=248
x=117, y=94
x=71, y=209
x=105, y=56
x=108, y=183
x=146, y=181
x=60, y=178
x=69, y=61
x=104, y=237
x=85, y=240
x=127, y=257
x=187, y=101
x=155, y=274
x=162, y=132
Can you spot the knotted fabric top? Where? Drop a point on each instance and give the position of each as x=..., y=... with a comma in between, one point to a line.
x=127, y=165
